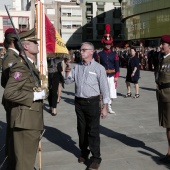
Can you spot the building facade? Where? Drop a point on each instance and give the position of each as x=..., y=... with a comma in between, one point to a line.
x=21, y=20
x=146, y=20
x=67, y=19
x=97, y=14
x=79, y=22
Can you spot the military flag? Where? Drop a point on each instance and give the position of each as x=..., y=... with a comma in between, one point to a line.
x=54, y=42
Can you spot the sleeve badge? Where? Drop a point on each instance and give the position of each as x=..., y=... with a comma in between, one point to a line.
x=17, y=75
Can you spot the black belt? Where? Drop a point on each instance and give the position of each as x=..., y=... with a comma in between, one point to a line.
x=164, y=86
x=89, y=100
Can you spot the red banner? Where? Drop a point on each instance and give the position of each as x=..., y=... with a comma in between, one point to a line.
x=50, y=36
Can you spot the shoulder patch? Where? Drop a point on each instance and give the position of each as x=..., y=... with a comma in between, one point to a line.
x=17, y=75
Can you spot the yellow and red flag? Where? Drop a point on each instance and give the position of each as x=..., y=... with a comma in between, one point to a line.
x=54, y=42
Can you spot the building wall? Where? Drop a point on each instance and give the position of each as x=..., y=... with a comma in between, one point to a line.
x=17, y=20
x=91, y=22
x=146, y=19
x=98, y=13
x=67, y=21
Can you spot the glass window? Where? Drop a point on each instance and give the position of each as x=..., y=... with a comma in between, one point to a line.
x=66, y=24
x=6, y=21
x=66, y=12
x=23, y=23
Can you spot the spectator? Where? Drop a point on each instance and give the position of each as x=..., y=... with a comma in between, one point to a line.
x=133, y=73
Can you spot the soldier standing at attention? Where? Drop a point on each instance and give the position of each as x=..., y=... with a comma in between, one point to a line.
x=90, y=82
x=110, y=61
x=27, y=106
x=163, y=91
x=11, y=57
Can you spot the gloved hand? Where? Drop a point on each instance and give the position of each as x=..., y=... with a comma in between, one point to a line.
x=39, y=95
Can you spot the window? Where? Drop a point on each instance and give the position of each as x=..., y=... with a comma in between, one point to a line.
x=6, y=22
x=71, y=24
x=66, y=12
x=89, y=19
x=76, y=12
x=51, y=11
x=89, y=7
x=76, y=25
x=23, y=23
x=100, y=8
x=66, y=24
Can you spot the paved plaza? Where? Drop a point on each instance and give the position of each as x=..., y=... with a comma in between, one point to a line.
x=131, y=139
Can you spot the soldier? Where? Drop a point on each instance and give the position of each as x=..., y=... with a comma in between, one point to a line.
x=27, y=106
x=11, y=56
x=163, y=91
x=110, y=61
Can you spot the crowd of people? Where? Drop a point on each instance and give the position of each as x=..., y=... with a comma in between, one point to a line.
x=95, y=75
x=148, y=56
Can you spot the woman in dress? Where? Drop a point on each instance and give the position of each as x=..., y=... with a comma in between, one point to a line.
x=133, y=74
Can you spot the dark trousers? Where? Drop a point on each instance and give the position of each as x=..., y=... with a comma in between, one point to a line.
x=53, y=82
x=88, y=121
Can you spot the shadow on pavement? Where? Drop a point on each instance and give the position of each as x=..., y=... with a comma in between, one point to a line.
x=132, y=143
x=61, y=139
x=149, y=89
x=122, y=77
x=69, y=93
x=68, y=100
x=120, y=94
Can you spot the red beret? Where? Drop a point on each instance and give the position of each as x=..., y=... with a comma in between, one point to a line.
x=165, y=39
x=11, y=31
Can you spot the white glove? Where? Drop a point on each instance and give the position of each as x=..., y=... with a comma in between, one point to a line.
x=39, y=95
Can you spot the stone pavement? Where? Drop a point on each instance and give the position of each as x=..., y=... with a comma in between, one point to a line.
x=131, y=139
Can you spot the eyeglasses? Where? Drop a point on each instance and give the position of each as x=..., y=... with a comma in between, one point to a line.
x=83, y=50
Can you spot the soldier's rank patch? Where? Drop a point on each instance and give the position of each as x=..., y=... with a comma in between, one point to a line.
x=17, y=75
x=10, y=64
